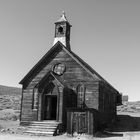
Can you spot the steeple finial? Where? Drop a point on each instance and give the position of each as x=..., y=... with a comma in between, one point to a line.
x=63, y=13
x=63, y=17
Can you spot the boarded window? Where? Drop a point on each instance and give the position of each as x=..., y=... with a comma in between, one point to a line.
x=35, y=98
x=80, y=96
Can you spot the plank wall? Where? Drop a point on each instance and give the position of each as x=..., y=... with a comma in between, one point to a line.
x=74, y=75
x=107, y=103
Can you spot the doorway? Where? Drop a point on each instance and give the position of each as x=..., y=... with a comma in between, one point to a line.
x=50, y=107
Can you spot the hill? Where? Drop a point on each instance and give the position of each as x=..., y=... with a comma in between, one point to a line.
x=10, y=97
x=132, y=107
x=6, y=90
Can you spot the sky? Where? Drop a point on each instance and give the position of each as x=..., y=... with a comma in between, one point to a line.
x=104, y=33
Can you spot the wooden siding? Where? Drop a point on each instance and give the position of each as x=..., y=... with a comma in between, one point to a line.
x=107, y=103
x=69, y=101
x=73, y=72
x=27, y=113
x=92, y=94
x=74, y=75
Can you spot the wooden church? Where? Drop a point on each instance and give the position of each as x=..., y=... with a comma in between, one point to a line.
x=62, y=93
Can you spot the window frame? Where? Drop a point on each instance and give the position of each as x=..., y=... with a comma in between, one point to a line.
x=59, y=69
x=80, y=96
x=35, y=99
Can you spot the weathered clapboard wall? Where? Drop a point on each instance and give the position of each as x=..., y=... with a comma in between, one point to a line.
x=107, y=103
x=26, y=108
x=74, y=75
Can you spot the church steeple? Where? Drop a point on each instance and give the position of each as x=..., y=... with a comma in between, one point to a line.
x=62, y=31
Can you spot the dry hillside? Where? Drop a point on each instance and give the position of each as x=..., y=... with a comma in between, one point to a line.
x=10, y=98
x=133, y=107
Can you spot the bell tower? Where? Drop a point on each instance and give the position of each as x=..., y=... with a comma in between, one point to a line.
x=62, y=31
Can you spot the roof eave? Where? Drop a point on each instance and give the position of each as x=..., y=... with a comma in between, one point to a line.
x=40, y=61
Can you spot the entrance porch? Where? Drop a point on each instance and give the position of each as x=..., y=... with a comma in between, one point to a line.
x=50, y=100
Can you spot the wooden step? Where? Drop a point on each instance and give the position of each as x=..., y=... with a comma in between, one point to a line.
x=40, y=133
x=41, y=122
x=32, y=124
x=42, y=128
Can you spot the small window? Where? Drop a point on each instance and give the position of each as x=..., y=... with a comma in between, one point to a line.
x=59, y=69
x=35, y=98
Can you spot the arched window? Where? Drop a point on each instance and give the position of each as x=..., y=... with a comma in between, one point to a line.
x=35, y=98
x=80, y=96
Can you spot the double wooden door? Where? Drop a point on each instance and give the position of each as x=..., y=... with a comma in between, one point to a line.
x=76, y=122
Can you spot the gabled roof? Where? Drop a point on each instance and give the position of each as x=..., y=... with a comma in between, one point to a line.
x=46, y=76
x=82, y=63
x=58, y=44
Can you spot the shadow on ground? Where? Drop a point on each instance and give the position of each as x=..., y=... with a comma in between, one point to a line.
x=106, y=134
x=125, y=123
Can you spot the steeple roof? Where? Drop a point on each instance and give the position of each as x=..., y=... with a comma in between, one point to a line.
x=62, y=18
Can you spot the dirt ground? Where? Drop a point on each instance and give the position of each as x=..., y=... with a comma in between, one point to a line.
x=65, y=137
x=127, y=127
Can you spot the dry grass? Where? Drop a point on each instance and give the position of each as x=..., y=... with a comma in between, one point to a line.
x=9, y=114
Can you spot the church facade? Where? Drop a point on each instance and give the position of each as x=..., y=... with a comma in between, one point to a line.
x=62, y=88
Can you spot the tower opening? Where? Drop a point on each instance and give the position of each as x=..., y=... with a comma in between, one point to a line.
x=60, y=30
